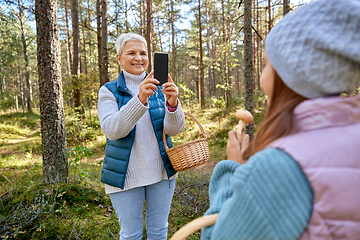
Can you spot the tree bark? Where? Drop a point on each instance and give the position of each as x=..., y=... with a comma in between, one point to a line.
x=28, y=92
x=98, y=33
x=286, y=7
x=258, y=50
x=173, y=47
x=126, y=16
x=269, y=11
x=55, y=166
x=248, y=72
x=225, y=60
x=148, y=32
x=159, y=35
x=214, y=55
x=75, y=71
x=68, y=37
x=104, y=73
x=208, y=34
x=254, y=46
x=201, y=65
x=89, y=19
x=142, y=16
x=83, y=68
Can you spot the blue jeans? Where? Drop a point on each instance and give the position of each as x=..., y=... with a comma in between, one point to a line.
x=129, y=209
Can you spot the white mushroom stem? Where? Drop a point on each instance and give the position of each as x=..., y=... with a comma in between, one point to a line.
x=240, y=131
x=245, y=117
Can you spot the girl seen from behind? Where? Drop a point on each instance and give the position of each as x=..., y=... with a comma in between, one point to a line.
x=300, y=176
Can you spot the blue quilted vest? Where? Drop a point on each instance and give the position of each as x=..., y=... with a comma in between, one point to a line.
x=117, y=152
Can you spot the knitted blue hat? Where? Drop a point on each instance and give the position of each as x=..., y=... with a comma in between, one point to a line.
x=316, y=49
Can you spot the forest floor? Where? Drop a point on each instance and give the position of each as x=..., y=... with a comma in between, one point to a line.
x=80, y=208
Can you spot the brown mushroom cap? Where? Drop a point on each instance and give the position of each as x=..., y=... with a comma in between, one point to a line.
x=244, y=115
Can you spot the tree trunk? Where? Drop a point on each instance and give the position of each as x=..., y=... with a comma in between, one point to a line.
x=126, y=16
x=84, y=68
x=89, y=19
x=28, y=92
x=208, y=34
x=104, y=73
x=214, y=68
x=2, y=82
x=75, y=71
x=148, y=31
x=225, y=60
x=16, y=103
x=98, y=33
x=68, y=36
x=269, y=11
x=55, y=166
x=173, y=47
x=286, y=7
x=142, y=17
x=159, y=35
x=258, y=50
x=201, y=65
x=254, y=46
x=248, y=72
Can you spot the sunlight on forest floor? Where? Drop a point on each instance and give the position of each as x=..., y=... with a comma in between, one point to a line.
x=80, y=208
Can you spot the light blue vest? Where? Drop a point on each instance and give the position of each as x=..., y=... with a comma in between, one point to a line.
x=117, y=152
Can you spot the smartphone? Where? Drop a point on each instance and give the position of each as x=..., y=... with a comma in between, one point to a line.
x=161, y=67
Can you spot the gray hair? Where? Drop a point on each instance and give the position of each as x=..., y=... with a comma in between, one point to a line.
x=126, y=37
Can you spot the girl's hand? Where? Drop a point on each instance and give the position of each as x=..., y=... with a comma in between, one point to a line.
x=171, y=92
x=234, y=151
x=147, y=88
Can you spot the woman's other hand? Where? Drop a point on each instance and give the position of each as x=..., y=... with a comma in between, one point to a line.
x=147, y=88
x=234, y=151
x=171, y=92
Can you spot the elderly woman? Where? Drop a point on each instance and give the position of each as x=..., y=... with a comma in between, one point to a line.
x=133, y=113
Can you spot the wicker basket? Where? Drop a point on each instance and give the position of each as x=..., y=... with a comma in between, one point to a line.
x=194, y=226
x=191, y=154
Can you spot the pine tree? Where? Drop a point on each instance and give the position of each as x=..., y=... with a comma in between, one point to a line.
x=55, y=166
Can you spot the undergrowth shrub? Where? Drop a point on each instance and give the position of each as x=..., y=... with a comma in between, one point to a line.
x=23, y=210
x=63, y=211
x=190, y=199
x=75, y=155
x=80, y=129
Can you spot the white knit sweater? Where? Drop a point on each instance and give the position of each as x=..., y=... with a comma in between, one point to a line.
x=145, y=164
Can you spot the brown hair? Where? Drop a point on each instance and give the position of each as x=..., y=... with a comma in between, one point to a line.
x=279, y=117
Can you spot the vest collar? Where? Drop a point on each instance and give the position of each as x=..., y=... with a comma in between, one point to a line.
x=327, y=112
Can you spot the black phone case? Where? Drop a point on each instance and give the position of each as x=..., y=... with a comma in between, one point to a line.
x=161, y=67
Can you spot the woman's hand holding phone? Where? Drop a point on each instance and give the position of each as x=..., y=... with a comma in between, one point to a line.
x=147, y=88
x=171, y=92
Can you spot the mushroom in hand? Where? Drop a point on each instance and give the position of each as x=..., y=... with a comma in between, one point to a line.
x=244, y=117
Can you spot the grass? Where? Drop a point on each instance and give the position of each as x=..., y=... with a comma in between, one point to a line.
x=80, y=208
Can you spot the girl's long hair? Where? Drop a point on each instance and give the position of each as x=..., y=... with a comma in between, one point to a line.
x=279, y=117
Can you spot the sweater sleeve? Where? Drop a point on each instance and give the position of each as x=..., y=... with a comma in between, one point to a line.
x=269, y=197
x=117, y=123
x=174, y=122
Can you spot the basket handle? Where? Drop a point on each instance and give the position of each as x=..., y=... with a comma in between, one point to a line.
x=198, y=123
x=194, y=226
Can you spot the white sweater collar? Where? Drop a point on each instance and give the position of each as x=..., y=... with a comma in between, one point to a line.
x=133, y=80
